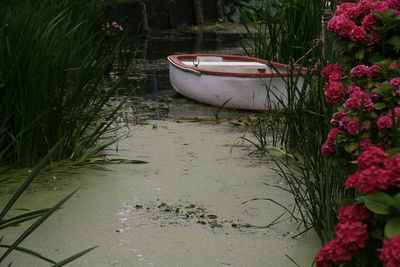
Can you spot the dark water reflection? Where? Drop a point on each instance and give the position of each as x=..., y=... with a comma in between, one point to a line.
x=150, y=73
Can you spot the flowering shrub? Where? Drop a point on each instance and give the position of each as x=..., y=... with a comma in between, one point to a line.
x=112, y=28
x=365, y=88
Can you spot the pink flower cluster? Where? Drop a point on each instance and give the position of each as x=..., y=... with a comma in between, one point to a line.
x=112, y=28
x=351, y=234
x=363, y=93
x=354, y=21
x=333, y=89
x=356, y=99
x=395, y=82
x=390, y=252
x=377, y=172
x=364, y=124
x=329, y=145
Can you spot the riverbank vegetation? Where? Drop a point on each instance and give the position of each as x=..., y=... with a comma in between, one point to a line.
x=57, y=75
x=56, y=57
x=341, y=132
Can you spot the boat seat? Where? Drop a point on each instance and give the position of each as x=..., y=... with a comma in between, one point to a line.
x=231, y=66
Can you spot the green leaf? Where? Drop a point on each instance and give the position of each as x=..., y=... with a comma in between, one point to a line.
x=360, y=54
x=394, y=40
x=386, y=16
x=346, y=202
x=351, y=147
x=377, y=91
x=393, y=151
x=380, y=106
x=376, y=233
x=392, y=228
x=379, y=203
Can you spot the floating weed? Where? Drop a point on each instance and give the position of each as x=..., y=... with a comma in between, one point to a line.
x=164, y=214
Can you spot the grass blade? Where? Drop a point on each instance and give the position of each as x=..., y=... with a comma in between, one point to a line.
x=35, y=225
x=27, y=182
x=73, y=257
x=30, y=252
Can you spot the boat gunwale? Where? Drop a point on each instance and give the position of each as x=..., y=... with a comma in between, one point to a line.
x=176, y=60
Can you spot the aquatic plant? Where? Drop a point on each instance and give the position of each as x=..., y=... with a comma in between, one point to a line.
x=55, y=65
x=283, y=31
x=41, y=216
x=315, y=182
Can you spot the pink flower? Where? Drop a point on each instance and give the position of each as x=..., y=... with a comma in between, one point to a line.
x=352, y=127
x=332, y=68
x=373, y=71
x=365, y=143
x=371, y=39
x=352, y=213
x=356, y=99
x=352, y=89
x=382, y=146
x=347, y=9
x=369, y=21
x=334, y=92
x=328, y=255
x=392, y=166
x=341, y=25
x=329, y=146
x=379, y=6
x=336, y=117
x=393, y=4
x=359, y=71
x=396, y=112
x=372, y=156
x=395, y=82
x=390, y=252
x=384, y=122
x=327, y=149
x=365, y=7
x=393, y=65
x=333, y=133
x=369, y=181
x=352, y=235
x=343, y=122
x=357, y=33
x=375, y=96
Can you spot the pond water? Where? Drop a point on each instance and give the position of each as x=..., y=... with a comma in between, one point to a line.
x=150, y=74
x=188, y=206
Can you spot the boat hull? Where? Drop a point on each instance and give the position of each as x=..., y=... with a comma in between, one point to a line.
x=247, y=91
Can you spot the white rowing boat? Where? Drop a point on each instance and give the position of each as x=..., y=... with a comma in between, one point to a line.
x=231, y=81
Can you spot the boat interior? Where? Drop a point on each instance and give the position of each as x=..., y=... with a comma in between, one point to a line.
x=220, y=64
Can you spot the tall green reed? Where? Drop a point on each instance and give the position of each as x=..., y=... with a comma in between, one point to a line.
x=53, y=62
x=288, y=32
x=282, y=31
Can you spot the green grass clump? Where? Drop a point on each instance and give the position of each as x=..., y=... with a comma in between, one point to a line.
x=283, y=31
x=288, y=32
x=53, y=62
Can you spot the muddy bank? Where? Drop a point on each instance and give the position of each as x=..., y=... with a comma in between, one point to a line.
x=183, y=208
